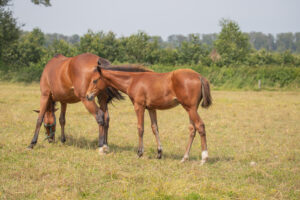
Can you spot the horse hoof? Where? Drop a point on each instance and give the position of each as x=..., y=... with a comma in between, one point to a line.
x=140, y=154
x=30, y=147
x=159, y=153
x=105, y=148
x=63, y=140
x=184, y=159
x=202, y=162
x=101, y=151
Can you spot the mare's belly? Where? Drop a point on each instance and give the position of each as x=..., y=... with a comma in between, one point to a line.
x=65, y=96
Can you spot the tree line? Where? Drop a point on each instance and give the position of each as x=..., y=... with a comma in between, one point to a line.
x=230, y=47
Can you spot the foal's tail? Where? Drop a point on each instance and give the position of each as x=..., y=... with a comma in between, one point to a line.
x=205, y=90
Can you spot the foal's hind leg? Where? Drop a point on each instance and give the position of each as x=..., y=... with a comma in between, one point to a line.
x=62, y=121
x=154, y=127
x=191, y=139
x=200, y=127
x=43, y=105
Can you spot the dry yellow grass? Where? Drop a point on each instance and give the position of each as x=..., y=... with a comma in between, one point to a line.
x=242, y=127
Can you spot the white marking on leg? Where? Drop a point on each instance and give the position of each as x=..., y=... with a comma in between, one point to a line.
x=105, y=148
x=204, y=157
x=101, y=151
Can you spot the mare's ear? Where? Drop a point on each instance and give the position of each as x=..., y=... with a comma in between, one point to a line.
x=56, y=109
x=37, y=111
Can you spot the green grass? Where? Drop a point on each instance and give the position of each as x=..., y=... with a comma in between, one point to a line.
x=242, y=127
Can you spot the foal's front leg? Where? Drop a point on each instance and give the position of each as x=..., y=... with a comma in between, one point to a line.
x=92, y=107
x=140, y=118
x=153, y=117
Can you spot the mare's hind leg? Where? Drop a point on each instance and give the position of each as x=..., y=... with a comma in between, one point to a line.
x=200, y=127
x=92, y=107
x=62, y=121
x=140, y=117
x=43, y=105
x=154, y=127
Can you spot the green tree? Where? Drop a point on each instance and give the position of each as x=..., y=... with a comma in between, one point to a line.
x=41, y=2
x=32, y=47
x=232, y=44
x=285, y=41
x=9, y=30
x=62, y=47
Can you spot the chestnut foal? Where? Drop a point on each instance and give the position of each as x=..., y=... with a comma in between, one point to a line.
x=151, y=91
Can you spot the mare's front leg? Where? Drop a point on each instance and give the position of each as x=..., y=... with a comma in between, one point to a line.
x=154, y=127
x=43, y=105
x=140, y=118
x=92, y=107
x=104, y=107
x=62, y=121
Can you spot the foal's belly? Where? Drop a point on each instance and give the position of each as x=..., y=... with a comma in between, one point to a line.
x=162, y=103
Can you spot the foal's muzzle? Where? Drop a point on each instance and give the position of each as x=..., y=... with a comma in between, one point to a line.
x=90, y=97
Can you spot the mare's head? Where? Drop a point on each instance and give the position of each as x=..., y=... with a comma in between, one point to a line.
x=49, y=123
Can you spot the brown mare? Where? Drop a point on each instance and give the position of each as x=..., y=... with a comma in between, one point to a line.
x=66, y=80
x=151, y=91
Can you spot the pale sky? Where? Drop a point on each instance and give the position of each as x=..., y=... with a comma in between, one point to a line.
x=158, y=17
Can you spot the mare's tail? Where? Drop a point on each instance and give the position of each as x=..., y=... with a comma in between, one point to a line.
x=205, y=90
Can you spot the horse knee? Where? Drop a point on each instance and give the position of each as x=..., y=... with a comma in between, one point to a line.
x=141, y=130
x=201, y=130
x=100, y=117
x=154, y=128
x=192, y=130
x=106, y=121
x=62, y=120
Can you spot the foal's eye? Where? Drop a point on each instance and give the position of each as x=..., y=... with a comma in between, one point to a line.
x=95, y=81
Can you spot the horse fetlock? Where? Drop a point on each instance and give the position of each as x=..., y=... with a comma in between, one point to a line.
x=185, y=158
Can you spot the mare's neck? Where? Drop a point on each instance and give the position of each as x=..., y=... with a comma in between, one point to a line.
x=118, y=79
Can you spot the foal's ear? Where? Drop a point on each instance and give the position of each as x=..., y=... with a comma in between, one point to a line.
x=99, y=70
x=37, y=111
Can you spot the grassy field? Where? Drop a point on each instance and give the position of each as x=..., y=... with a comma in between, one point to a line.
x=242, y=127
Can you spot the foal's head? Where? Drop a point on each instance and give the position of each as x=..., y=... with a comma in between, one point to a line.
x=49, y=123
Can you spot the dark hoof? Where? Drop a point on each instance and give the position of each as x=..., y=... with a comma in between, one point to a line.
x=30, y=146
x=140, y=153
x=159, y=154
x=50, y=140
x=63, y=140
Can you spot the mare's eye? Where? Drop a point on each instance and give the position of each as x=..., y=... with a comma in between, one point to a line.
x=95, y=81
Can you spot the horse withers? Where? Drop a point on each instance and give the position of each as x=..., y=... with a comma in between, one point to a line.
x=150, y=90
x=66, y=80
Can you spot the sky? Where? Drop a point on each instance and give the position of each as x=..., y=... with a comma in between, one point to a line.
x=158, y=17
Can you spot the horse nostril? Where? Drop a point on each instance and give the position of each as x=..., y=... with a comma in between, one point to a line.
x=90, y=97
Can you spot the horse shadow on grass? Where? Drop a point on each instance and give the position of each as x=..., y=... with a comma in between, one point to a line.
x=84, y=143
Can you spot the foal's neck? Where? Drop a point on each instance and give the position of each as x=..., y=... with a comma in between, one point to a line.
x=117, y=79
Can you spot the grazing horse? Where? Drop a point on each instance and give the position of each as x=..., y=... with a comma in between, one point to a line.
x=66, y=80
x=151, y=91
